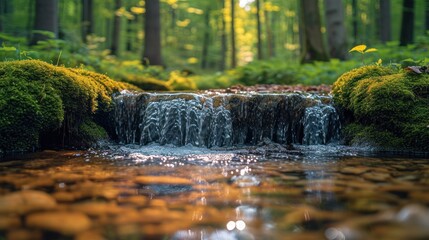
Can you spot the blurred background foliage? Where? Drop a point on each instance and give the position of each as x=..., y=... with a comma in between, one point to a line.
x=213, y=44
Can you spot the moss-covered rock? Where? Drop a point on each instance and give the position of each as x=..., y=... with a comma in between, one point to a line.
x=42, y=104
x=388, y=109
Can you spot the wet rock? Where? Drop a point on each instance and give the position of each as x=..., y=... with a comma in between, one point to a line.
x=137, y=201
x=8, y=222
x=90, y=235
x=245, y=181
x=64, y=196
x=376, y=176
x=26, y=201
x=68, y=177
x=416, y=215
x=354, y=170
x=68, y=223
x=90, y=189
x=95, y=209
x=24, y=234
x=167, y=180
x=304, y=214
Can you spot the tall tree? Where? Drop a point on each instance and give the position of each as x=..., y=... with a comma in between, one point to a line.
x=427, y=16
x=407, y=25
x=116, y=34
x=87, y=18
x=355, y=21
x=206, y=38
x=223, y=39
x=152, y=40
x=233, y=48
x=6, y=7
x=259, y=28
x=337, y=37
x=385, y=27
x=312, y=47
x=46, y=19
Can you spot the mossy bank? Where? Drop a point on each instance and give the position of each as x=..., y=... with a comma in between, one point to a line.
x=44, y=105
x=384, y=107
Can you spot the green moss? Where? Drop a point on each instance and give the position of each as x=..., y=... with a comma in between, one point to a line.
x=147, y=83
x=89, y=133
x=42, y=103
x=391, y=109
x=345, y=84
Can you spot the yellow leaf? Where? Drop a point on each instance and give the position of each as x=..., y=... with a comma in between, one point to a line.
x=183, y=23
x=379, y=62
x=192, y=60
x=358, y=48
x=371, y=50
x=138, y=10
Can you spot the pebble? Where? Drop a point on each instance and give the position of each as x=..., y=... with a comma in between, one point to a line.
x=26, y=201
x=8, y=222
x=354, y=170
x=164, y=180
x=68, y=223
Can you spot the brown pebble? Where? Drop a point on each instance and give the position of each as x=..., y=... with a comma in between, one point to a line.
x=8, y=222
x=26, y=201
x=167, y=180
x=68, y=223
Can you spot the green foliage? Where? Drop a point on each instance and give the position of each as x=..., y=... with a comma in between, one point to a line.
x=389, y=108
x=39, y=100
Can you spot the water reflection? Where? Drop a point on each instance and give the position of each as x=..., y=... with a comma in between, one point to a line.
x=191, y=193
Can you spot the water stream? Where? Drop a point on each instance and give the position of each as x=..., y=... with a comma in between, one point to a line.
x=217, y=166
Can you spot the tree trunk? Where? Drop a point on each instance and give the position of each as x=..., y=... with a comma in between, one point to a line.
x=355, y=22
x=259, y=28
x=233, y=48
x=206, y=39
x=152, y=40
x=223, y=39
x=337, y=37
x=427, y=17
x=407, y=26
x=312, y=47
x=385, y=21
x=6, y=8
x=116, y=34
x=269, y=32
x=46, y=19
x=87, y=18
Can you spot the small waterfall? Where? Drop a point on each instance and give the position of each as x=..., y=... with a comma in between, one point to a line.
x=223, y=120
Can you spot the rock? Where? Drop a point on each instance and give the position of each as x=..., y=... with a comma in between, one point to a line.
x=26, y=201
x=68, y=223
x=24, y=234
x=8, y=222
x=167, y=180
x=376, y=177
x=95, y=209
x=416, y=215
x=354, y=170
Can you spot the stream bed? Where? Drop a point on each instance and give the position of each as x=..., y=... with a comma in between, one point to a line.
x=167, y=192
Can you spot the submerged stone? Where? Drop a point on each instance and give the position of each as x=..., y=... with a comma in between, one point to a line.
x=26, y=201
x=68, y=223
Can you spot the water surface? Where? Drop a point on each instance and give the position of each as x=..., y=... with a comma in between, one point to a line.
x=165, y=192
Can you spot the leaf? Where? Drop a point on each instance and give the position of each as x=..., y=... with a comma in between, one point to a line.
x=379, y=62
x=416, y=69
x=358, y=48
x=371, y=50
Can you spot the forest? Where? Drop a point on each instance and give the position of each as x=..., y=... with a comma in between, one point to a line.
x=178, y=45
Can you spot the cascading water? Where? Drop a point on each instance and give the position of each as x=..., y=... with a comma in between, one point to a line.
x=224, y=120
